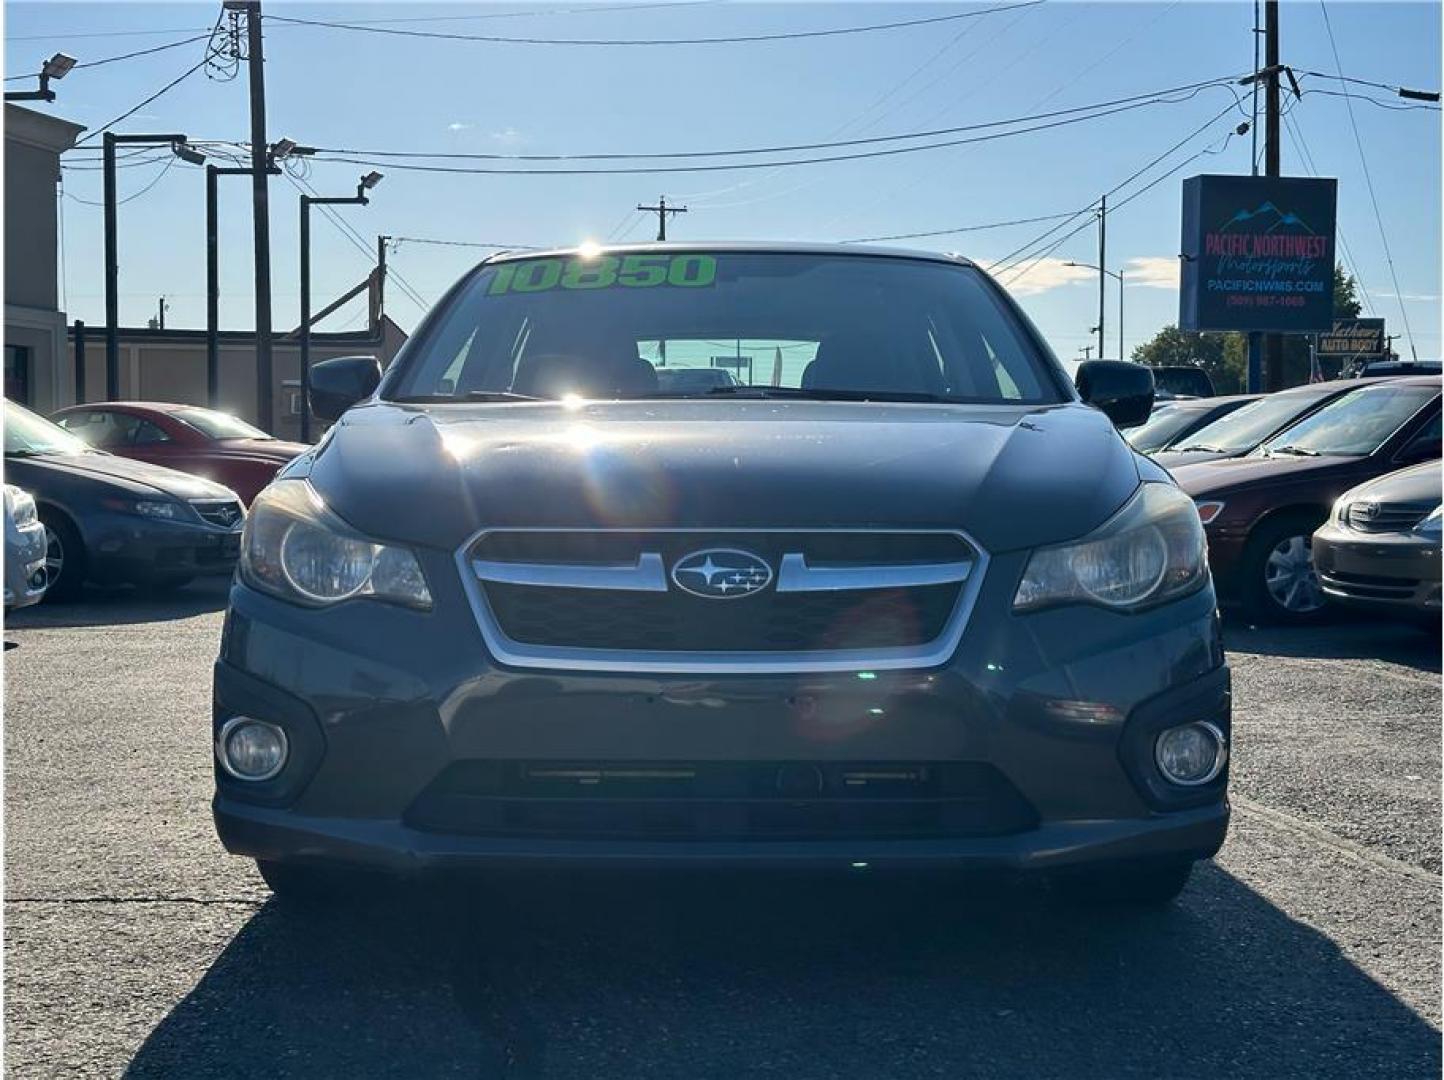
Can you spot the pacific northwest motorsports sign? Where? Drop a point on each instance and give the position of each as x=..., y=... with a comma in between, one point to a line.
x=1351, y=340
x=1258, y=254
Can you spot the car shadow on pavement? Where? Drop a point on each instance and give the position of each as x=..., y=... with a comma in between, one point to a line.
x=124, y=606
x=731, y=976
x=1395, y=641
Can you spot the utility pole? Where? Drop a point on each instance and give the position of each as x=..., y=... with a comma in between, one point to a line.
x=662, y=210
x=213, y=278
x=260, y=207
x=1102, y=267
x=380, y=291
x=1087, y=352
x=1253, y=378
x=160, y=314
x=1273, y=344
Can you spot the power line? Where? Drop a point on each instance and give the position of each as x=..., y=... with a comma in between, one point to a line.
x=742, y=166
x=133, y=196
x=1168, y=95
x=463, y=243
x=136, y=108
x=624, y=42
x=967, y=228
x=1369, y=182
x=1296, y=136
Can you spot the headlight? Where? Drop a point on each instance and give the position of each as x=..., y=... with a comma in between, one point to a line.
x=295, y=548
x=166, y=511
x=1430, y=526
x=1341, y=509
x=22, y=506
x=1150, y=551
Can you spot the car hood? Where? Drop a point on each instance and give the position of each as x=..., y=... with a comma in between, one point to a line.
x=138, y=478
x=1230, y=474
x=1011, y=476
x=1416, y=484
x=272, y=450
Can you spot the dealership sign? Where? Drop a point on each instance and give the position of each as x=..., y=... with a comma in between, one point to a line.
x=1354, y=339
x=1258, y=254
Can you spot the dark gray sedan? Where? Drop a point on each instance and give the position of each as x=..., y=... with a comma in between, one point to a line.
x=114, y=521
x=1379, y=549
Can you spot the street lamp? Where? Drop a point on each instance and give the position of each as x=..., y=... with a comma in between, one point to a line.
x=1119, y=278
x=110, y=140
x=366, y=183
x=57, y=67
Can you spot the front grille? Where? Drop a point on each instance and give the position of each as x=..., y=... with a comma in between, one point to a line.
x=780, y=800
x=1369, y=516
x=657, y=617
x=222, y=513
x=768, y=622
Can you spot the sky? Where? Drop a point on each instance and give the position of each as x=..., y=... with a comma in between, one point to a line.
x=369, y=91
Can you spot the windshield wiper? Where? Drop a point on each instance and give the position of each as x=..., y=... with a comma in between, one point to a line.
x=1205, y=447
x=1296, y=451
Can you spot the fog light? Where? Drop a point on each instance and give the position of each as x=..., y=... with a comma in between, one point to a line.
x=251, y=749
x=1191, y=754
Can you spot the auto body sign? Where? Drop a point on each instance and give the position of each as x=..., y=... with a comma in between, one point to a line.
x=1258, y=254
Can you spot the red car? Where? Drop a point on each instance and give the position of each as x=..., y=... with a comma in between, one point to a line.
x=185, y=437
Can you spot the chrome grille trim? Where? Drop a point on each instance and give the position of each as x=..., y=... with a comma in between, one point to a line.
x=931, y=654
x=794, y=575
x=646, y=575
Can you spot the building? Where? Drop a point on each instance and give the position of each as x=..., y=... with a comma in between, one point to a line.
x=34, y=323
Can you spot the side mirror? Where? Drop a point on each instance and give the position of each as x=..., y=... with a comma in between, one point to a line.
x=338, y=384
x=1120, y=389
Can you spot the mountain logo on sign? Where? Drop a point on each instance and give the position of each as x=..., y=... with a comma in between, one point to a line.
x=1282, y=219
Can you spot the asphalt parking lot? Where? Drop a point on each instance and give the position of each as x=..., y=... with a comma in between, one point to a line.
x=135, y=946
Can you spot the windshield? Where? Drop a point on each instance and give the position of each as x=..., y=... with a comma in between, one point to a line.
x=218, y=425
x=1184, y=382
x=738, y=323
x=26, y=433
x=1160, y=429
x=1245, y=428
x=1357, y=423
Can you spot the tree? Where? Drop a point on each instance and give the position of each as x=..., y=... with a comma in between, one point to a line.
x=1225, y=356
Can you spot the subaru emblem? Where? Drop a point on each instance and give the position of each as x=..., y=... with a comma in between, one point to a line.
x=721, y=573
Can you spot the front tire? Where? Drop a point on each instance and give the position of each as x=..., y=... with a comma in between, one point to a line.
x=1278, y=582
x=65, y=557
x=1141, y=884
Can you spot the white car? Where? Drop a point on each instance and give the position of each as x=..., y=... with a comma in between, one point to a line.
x=25, y=541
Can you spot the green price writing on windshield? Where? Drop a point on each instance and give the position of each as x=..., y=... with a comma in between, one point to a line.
x=605, y=272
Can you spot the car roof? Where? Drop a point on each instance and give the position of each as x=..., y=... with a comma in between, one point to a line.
x=745, y=247
x=1199, y=404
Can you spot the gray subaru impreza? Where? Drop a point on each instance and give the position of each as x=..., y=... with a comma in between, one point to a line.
x=886, y=592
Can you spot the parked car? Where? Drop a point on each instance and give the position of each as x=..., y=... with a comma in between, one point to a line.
x=205, y=442
x=114, y=521
x=24, y=550
x=918, y=605
x=1260, y=511
x=1394, y=367
x=1380, y=547
x=1173, y=423
x=1183, y=381
x=1245, y=429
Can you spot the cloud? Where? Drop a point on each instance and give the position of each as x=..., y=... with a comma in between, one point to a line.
x=507, y=135
x=457, y=125
x=1414, y=298
x=1152, y=271
x=1047, y=274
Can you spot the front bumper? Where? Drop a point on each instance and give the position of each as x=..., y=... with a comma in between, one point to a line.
x=24, y=565
x=1056, y=710
x=128, y=549
x=1379, y=571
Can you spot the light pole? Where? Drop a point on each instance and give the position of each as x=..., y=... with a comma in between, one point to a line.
x=366, y=183
x=57, y=67
x=1118, y=276
x=213, y=269
x=109, y=141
